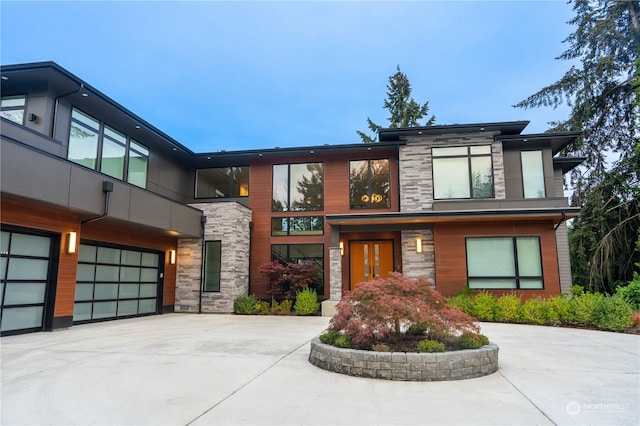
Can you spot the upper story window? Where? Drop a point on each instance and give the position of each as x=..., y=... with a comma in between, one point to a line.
x=298, y=225
x=298, y=187
x=222, y=182
x=100, y=147
x=462, y=172
x=532, y=174
x=369, y=184
x=12, y=108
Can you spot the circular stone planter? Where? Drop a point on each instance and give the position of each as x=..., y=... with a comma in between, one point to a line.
x=426, y=367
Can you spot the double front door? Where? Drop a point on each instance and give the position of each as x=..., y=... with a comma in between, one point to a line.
x=369, y=260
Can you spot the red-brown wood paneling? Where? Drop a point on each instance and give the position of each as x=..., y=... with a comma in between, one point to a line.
x=450, y=253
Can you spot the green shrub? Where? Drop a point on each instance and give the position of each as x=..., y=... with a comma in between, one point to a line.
x=462, y=300
x=583, y=308
x=430, y=346
x=535, y=310
x=306, y=302
x=263, y=307
x=577, y=290
x=472, y=341
x=559, y=309
x=631, y=292
x=509, y=308
x=343, y=342
x=484, y=306
x=329, y=337
x=282, y=308
x=613, y=313
x=417, y=329
x=245, y=304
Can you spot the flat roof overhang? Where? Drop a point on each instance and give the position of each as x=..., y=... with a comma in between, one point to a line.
x=557, y=215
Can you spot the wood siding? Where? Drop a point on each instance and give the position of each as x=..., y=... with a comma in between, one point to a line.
x=336, y=200
x=450, y=253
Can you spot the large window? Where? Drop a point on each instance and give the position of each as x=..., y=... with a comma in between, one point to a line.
x=299, y=225
x=532, y=174
x=298, y=187
x=504, y=263
x=369, y=184
x=212, y=263
x=462, y=172
x=298, y=253
x=12, y=108
x=222, y=182
x=100, y=147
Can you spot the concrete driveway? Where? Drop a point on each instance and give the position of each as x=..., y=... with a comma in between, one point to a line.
x=186, y=369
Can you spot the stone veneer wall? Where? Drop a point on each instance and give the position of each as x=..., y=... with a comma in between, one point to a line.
x=335, y=273
x=417, y=264
x=227, y=222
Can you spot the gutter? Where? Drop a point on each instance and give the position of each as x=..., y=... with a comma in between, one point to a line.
x=564, y=217
x=55, y=108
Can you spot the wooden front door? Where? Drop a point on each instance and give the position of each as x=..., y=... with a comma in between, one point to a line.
x=369, y=260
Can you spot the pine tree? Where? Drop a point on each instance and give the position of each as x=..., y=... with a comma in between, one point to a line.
x=405, y=111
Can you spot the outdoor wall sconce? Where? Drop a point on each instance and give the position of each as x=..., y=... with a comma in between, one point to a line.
x=418, y=245
x=341, y=248
x=72, y=242
x=172, y=257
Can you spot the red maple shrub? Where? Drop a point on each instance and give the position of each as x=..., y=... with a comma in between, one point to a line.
x=392, y=305
x=288, y=278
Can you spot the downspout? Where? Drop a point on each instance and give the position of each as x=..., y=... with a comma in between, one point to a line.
x=55, y=108
x=107, y=187
x=249, y=274
x=203, y=220
x=564, y=217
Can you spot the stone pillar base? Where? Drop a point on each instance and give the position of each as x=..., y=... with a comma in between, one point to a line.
x=329, y=308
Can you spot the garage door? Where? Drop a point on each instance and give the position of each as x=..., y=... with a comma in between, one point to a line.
x=25, y=279
x=116, y=282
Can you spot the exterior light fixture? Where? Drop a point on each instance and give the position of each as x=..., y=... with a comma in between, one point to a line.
x=341, y=248
x=72, y=242
x=172, y=257
x=418, y=245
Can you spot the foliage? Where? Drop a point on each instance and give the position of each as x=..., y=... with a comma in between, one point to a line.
x=613, y=313
x=416, y=329
x=376, y=308
x=263, y=307
x=508, y=308
x=343, y=342
x=559, y=309
x=404, y=110
x=287, y=278
x=631, y=292
x=602, y=90
x=462, y=300
x=535, y=310
x=306, y=302
x=329, y=337
x=245, y=304
x=430, y=346
x=583, y=307
x=472, y=340
x=282, y=308
x=484, y=306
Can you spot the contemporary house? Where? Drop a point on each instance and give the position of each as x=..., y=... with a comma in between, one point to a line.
x=104, y=216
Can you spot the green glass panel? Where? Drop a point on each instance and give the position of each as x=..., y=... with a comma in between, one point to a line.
x=85, y=272
x=482, y=149
x=107, y=273
x=4, y=242
x=24, y=293
x=137, y=171
x=127, y=307
x=30, y=245
x=113, y=159
x=20, y=318
x=104, y=309
x=148, y=290
x=149, y=259
x=83, y=145
x=27, y=269
x=490, y=257
x=148, y=275
x=131, y=257
x=3, y=267
x=106, y=291
x=130, y=274
x=87, y=253
x=109, y=255
x=15, y=115
x=280, y=189
x=213, y=251
x=128, y=291
x=83, y=292
x=452, y=151
x=492, y=284
x=82, y=311
x=482, y=175
x=147, y=306
x=532, y=174
x=450, y=178
x=529, y=260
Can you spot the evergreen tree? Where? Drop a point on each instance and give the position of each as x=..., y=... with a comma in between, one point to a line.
x=602, y=89
x=404, y=110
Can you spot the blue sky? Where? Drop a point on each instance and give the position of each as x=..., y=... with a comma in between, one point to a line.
x=243, y=75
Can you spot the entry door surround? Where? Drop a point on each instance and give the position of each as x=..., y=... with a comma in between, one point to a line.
x=369, y=260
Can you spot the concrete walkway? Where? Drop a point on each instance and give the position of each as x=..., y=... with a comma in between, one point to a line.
x=185, y=369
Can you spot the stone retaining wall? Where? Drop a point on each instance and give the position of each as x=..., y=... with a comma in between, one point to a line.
x=426, y=367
